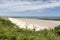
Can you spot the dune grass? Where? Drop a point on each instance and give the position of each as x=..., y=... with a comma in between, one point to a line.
x=9, y=31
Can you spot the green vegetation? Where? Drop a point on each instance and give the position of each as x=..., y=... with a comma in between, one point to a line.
x=9, y=31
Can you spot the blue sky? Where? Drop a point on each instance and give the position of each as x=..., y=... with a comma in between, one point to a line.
x=30, y=8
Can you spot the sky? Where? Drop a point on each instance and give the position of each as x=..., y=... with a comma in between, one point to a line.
x=30, y=8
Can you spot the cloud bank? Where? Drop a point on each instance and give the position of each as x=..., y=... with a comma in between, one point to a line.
x=19, y=5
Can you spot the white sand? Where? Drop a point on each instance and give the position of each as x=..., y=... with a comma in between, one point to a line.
x=34, y=23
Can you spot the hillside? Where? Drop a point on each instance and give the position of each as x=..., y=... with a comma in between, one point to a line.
x=9, y=31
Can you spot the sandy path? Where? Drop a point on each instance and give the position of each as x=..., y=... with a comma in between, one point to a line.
x=34, y=23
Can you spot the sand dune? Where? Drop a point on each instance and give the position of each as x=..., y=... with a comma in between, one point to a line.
x=34, y=23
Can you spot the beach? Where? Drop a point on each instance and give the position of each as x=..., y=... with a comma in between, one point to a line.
x=35, y=23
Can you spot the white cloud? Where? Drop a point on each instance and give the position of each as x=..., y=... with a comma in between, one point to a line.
x=25, y=5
